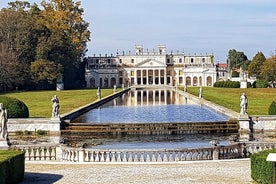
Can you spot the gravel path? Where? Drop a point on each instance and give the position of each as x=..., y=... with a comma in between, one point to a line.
x=211, y=172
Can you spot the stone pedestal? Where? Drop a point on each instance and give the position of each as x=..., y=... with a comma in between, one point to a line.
x=244, y=131
x=243, y=84
x=4, y=144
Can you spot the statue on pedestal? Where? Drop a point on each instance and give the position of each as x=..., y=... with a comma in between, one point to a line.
x=99, y=93
x=243, y=104
x=55, y=107
x=3, y=123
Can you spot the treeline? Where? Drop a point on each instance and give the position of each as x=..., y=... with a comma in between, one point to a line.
x=40, y=44
x=260, y=67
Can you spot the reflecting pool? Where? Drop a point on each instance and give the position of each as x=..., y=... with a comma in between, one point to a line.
x=150, y=106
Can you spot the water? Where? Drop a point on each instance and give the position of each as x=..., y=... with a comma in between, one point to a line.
x=159, y=142
x=152, y=106
x=141, y=107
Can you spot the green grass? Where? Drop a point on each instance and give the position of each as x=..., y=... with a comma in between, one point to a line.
x=40, y=105
x=259, y=99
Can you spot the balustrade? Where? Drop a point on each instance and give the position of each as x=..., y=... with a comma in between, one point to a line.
x=49, y=152
x=37, y=152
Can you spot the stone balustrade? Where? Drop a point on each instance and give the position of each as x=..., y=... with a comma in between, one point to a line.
x=38, y=152
x=64, y=153
x=158, y=155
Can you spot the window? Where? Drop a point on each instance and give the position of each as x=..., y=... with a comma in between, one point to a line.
x=192, y=60
x=168, y=60
x=132, y=60
x=203, y=60
x=120, y=60
x=180, y=60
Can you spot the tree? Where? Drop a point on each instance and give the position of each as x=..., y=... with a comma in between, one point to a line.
x=254, y=68
x=268, y=70
x=12, y=72
x=45, y=72
x=237, y=59
x=68, y=34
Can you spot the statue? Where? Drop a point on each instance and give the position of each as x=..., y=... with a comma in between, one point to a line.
x=99, y=93
x=3, y=123
x=200, y=92
x=243, y=104
x=55, y=106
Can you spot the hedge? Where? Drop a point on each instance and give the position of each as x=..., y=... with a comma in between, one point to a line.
x=12, y=166
x=227, y=84
x=262, y=171
x=15, y=107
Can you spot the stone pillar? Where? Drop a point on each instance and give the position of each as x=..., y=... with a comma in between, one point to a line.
x=135, y=77
x=165, y=76
x=244, y=131
x=215, y=153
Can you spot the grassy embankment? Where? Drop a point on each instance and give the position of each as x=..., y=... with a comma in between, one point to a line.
x=40, y=105
x=259, y=99
x=39, y=102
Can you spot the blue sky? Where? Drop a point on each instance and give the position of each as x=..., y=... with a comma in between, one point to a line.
x=195, y=26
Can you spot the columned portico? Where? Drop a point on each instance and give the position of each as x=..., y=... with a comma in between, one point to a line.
x=150, y=76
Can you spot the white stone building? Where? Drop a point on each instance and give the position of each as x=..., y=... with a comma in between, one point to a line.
x=146, y=67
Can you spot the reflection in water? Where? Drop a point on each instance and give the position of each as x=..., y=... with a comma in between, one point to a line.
x=150, y=106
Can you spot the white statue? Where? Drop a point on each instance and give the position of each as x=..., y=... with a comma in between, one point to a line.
x=55, y=106
x=3, y=122
x=243, y=104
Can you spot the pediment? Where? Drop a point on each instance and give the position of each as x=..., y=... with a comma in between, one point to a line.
x=150, y=63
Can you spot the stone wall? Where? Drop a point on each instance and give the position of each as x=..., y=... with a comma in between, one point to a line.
x=263, y=123
x=34, y=124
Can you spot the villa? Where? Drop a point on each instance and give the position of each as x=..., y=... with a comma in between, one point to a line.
x=156, y=67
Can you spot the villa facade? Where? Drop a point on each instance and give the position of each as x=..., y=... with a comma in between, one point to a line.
x=146, y=67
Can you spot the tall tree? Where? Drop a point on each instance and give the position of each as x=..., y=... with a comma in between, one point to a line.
x=268, y=70
x=11, y=70
x=237, y=59
x=254, y=68
x=69, y=34
x=45, y=72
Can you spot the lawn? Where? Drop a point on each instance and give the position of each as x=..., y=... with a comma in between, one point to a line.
x=40, y=105
x=259, y=99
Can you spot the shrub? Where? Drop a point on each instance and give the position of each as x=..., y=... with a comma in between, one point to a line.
x=12, y=166
x=227, y=84
x=261, y=84
x=272, y=108
x=15, y=107
x=262, y=171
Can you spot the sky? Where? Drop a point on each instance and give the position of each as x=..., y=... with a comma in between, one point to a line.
x=192, y=26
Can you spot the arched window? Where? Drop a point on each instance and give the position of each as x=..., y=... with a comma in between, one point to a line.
x=105, y=82
x=195, y=81
x=113, y=81
x=92, y=83
x=188, y=81
x=209, y=81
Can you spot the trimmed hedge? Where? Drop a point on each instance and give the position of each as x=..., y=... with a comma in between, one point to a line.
x=12, y=166
x=15, y=107
x=227, y=84
x=262, y=171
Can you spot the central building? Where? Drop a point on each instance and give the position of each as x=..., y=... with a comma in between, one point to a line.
x=144, y=67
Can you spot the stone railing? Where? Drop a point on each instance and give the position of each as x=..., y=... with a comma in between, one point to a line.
x=158, y=155
x=254, y=147
x=64, y=153
x=38, y=152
